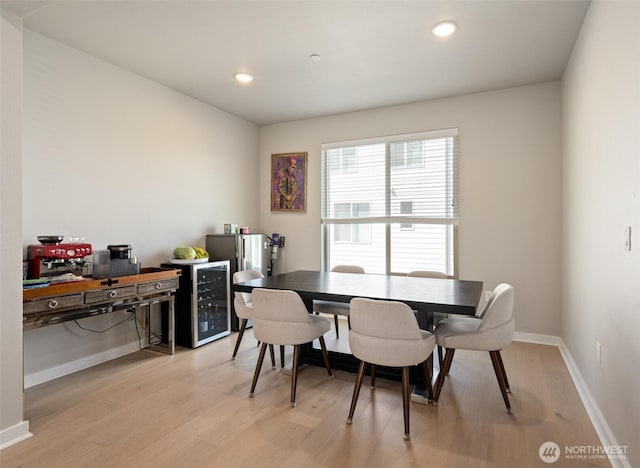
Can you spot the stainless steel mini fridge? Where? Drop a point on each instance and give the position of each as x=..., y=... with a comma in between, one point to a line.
x=244, y=252
x=203, y=303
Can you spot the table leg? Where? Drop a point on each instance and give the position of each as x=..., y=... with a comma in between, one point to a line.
x=167, y=315
x=419, y=393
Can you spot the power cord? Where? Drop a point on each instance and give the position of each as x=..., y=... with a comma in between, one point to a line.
x=127, y=319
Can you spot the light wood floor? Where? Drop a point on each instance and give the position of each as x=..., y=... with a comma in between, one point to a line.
x=192, y=410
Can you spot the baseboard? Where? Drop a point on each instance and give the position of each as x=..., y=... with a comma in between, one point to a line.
x=14, y=434
x=549, y=340
x=607, y=439
x=51, y=373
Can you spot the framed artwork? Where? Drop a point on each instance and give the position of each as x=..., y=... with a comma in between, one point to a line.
x=289, y=182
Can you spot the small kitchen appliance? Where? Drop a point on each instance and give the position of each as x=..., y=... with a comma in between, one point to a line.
x=55, y=259
x=121, y=262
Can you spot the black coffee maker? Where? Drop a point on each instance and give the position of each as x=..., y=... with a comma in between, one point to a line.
x=121, y=261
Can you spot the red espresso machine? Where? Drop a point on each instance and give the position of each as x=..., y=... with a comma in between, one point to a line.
x=50, y=260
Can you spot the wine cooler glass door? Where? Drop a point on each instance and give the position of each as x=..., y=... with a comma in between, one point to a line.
x=211, y=301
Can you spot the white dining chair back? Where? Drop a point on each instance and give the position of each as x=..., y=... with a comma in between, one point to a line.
x=387, y=333
x=243, y=307
x=280, y=317
x=242, y=300
x=427, y=274
x=499, y=307
x=348, y=269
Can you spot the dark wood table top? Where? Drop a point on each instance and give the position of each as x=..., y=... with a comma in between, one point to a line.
x=423, y=294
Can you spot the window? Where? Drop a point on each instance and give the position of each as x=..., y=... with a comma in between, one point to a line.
x=390, y=204
x=407, y=154
x=356, y=233
x=343, y=160
x=406, y=208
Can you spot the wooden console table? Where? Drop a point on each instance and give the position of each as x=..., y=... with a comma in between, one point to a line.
x=63, y=302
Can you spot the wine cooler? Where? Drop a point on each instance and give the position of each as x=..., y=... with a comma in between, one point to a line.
x=203, y=303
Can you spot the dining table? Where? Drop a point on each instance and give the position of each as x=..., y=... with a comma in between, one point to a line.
x=426, y=296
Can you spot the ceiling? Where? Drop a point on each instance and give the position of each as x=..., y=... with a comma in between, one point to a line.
x=373, y=53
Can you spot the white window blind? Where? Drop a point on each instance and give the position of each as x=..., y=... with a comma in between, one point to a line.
x=390, y=204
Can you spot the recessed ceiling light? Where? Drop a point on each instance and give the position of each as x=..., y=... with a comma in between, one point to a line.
x=243, y=77
x=444, y=28
x=315, y=57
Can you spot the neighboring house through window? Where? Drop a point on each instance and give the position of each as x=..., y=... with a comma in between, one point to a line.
x=406, y=208
x=360, y=233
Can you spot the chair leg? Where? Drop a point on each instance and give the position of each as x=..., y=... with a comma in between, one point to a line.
x=448, y=358
x=373, y=377
x=282, y=356
x=294, y=374
x=335, y=321
x=427, y=379
x=406, y=398
x=263, y=350
x=503, y=388
x=356, y=392
x=325, y=356
x=243, y=325
x=449, y=366
x=440, y=357
x=273, y=356
x=504, y=372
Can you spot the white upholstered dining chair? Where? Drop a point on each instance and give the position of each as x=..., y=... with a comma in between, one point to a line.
x=491, y=331
x=386, y=333
x=244, y=310
x=337, y=308
x=427, y=274
x=281, y=318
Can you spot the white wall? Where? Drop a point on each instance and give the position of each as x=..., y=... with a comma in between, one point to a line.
x=601, y=184
x=119, y=159
x=12, y=426
x=510, y=163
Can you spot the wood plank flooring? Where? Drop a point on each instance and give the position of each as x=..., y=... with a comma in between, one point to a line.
x=193, y=410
